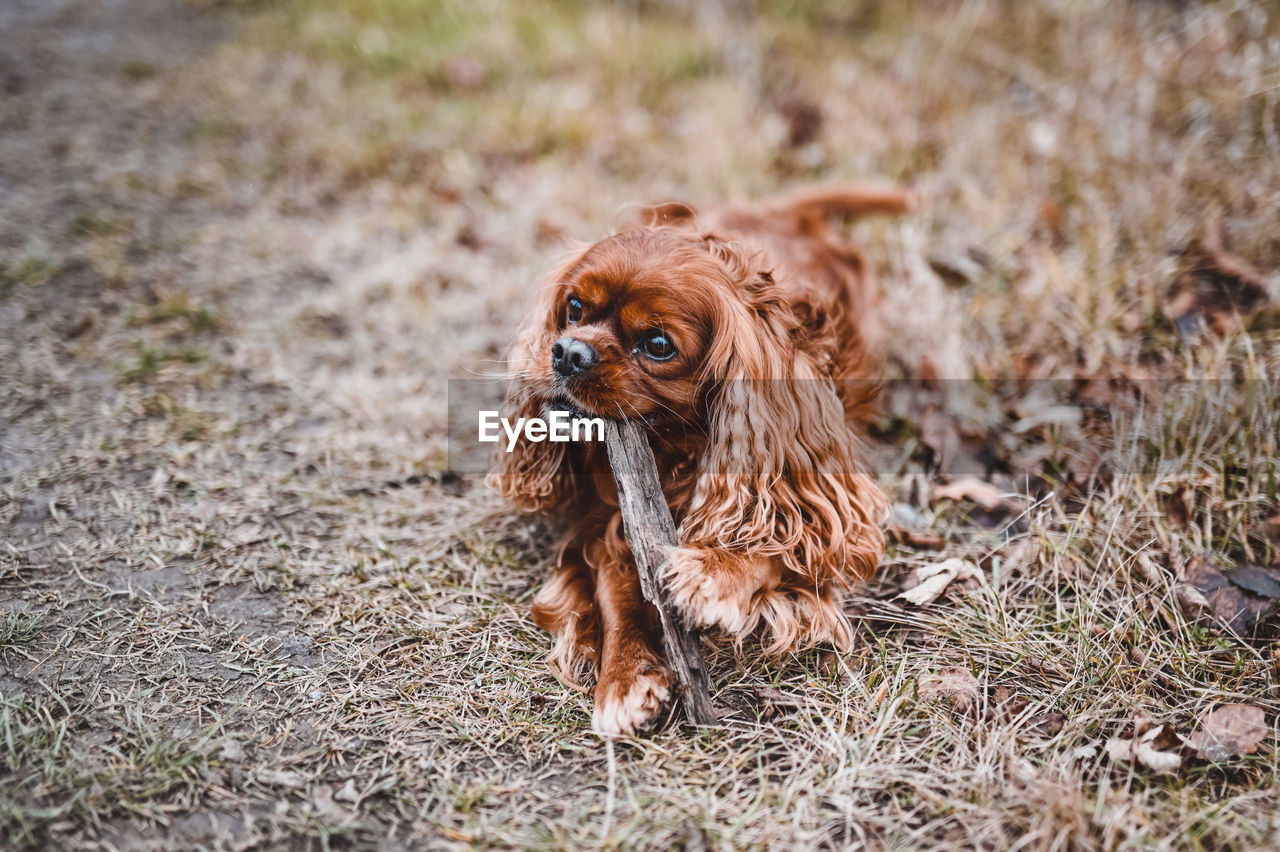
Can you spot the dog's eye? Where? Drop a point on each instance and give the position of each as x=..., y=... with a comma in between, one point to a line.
x=575, y=309
x=658, y=347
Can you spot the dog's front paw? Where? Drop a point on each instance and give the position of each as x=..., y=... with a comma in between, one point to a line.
x=626, y=705
x=712, y=589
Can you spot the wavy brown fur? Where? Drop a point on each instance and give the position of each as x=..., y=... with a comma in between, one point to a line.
x=755, y=428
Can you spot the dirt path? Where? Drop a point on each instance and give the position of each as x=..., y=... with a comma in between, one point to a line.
x=158, y=472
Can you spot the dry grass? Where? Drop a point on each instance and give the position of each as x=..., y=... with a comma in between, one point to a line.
x=243, y=602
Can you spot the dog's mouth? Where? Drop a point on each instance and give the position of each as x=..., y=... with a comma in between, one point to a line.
x=565, y=403
x=576, y=409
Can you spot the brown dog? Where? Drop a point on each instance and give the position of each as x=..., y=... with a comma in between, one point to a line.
x=737, y=335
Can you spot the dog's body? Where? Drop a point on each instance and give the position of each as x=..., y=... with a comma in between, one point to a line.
x=739, y=335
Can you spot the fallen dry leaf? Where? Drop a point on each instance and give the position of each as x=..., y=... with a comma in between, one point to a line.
x=1009, y=705
x=955, y=685
x=911, y=538
x=1230, y=730
x=1147, y=567
x=1240, y=599
x=981, y=493
x=1261, y=581
x=1047, y=724
x=933, y=580
x=1159, y=748
x=1192, y=600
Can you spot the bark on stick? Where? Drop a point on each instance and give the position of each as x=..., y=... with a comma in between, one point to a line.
x=646, y=519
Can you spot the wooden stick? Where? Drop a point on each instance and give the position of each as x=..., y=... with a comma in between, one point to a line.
x=646, y=519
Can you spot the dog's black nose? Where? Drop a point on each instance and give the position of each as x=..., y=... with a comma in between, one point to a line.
x=571, y=356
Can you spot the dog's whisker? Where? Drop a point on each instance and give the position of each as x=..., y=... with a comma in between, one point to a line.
x=679, y=417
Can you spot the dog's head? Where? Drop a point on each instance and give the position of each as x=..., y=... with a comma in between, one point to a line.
x=629, y=327
x=640, y=325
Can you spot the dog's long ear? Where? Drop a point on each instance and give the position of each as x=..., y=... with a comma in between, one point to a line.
x=536, y=475
x=782, y=475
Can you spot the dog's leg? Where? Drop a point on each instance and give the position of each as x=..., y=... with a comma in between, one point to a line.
x=565, y=607
x=634, y=684
x=715, y=588
x=738, y=592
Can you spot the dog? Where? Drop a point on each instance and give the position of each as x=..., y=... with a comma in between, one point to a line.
x=739, y=335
